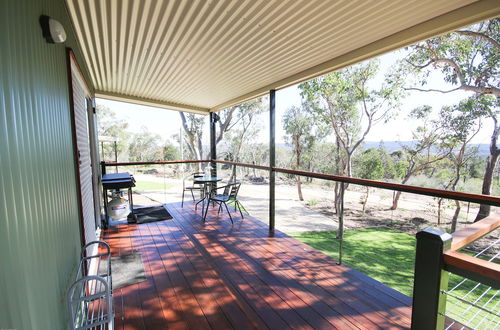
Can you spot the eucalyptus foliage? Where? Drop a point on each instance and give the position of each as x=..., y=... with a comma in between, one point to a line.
x=467, y=58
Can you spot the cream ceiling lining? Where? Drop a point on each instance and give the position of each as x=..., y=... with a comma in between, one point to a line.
x=201, y=56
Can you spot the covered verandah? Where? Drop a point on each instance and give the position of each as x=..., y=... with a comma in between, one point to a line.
x=212, y=56
x=217, y=275
x=198, y=56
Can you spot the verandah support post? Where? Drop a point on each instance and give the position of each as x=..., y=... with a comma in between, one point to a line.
x=429, y=302
x=213, y=146
x=272, y=157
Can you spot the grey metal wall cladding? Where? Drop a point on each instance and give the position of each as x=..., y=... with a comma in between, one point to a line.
x=39, y=230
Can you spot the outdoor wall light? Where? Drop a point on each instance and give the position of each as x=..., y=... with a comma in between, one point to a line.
x=52, y=30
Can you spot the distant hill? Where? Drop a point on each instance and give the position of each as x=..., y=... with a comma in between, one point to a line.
x=390, y=146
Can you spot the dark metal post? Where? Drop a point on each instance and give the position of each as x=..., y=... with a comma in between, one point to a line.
x=429, y=302
x=272, y=157
x=116, y=156
x=103, y=167
x=213, y=146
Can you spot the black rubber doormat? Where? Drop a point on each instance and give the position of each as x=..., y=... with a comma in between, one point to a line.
x=151, y=214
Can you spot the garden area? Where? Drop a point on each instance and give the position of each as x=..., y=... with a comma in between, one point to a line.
x=388, y=256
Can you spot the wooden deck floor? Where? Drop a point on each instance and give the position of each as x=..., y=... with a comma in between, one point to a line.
x=221, y=276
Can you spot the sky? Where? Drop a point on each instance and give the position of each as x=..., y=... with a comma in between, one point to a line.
x=167, y=123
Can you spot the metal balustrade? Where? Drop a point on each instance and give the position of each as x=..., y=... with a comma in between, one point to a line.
x=436, y=253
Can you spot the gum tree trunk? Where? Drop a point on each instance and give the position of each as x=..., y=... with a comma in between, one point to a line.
x=484, y=210
x=299, y=188
x=455, y=217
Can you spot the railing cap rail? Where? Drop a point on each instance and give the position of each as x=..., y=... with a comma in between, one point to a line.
x=469, y=234
x=440, y=193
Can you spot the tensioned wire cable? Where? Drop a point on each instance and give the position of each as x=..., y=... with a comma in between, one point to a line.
x=491, y=315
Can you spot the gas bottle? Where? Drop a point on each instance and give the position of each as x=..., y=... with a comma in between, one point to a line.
x=118, y=207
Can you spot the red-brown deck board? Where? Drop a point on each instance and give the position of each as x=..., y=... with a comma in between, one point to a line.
x=220, y=275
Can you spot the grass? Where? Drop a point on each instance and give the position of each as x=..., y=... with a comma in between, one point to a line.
x=389, y=257
x=233, y=204
x=375, y=252
x=313, y=202
x=142, y=185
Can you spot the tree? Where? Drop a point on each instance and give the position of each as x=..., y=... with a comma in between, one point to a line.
x=109, y=125
x=258, y=154
x=428, y=148
x=299, y=127
x=474, y=167
x=323, y=158
x=145, y=146
x=469, y=61
x=230, y=117
x=391, y=169
x=461, y=123
x=370, y=166
x=193, y=131
x=345, y=101
x=170, y=152
x=492, y=109
x=244, y=129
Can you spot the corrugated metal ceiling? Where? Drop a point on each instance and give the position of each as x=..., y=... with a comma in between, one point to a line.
x=206, y=55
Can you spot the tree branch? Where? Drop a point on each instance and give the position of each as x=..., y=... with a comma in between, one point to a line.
x=479, y=35
x=368, y=127
x=223, y=126
x=431, y=89
x=333, y=121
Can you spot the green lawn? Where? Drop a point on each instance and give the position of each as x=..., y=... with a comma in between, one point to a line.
x=389, y=256
x=375, y=252
x=142, y=185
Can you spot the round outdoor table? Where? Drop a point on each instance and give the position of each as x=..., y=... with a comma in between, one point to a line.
x=206, y=181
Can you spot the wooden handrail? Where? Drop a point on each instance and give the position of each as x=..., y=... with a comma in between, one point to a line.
x=455, y=195
x=472, y=264
x=469, y=234
x=468, y=266
x=260, y=167
x=158, y=162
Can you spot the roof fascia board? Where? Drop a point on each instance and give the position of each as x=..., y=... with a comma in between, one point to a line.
x=152, y=103
x=467, y=15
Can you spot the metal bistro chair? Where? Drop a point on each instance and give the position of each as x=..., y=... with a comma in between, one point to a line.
x=230, y=194
x=195, y=186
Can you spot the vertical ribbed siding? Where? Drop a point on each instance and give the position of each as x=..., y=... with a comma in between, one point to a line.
x=39, y=231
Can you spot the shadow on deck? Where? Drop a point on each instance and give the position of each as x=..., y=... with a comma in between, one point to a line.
x=217, y=275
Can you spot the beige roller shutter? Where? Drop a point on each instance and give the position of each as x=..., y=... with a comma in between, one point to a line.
x=81, y=97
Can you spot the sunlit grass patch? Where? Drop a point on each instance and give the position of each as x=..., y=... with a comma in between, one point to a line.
x=389, y=257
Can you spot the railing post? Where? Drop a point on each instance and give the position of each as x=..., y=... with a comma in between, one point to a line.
x=340, y=232
x=272, y=157
x=103, y=167
x=429, y=302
